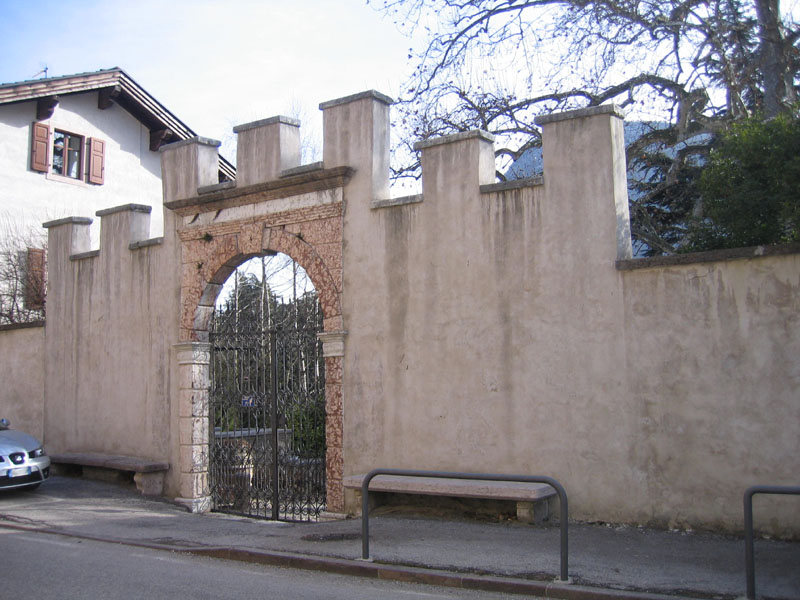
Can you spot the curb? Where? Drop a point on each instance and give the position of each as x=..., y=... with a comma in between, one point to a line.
x=387, y=572
x=487, y=583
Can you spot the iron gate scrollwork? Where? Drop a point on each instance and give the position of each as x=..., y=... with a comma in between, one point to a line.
x=267, y=407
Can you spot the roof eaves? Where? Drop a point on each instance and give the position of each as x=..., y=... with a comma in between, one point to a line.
x=53, y=86
x=135, y=99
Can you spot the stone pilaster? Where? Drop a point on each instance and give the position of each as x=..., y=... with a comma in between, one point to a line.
x=193, y=387
x=333, y=351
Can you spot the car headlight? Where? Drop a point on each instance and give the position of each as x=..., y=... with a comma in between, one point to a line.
x=36, y=453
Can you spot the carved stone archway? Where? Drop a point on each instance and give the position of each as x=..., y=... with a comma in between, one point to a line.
x=300, y=216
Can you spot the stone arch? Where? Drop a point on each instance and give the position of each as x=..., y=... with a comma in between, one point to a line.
x=214, y=258
x=209, y=255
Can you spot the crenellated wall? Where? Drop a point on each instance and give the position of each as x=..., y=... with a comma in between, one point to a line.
x=112, y=318
x=473, y=327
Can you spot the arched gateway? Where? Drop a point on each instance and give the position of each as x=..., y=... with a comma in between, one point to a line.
x=297, y=212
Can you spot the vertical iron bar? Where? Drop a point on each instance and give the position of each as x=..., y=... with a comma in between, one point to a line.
x=273, y=350
x=749, y=549
x=365, y=515
x=749, y=564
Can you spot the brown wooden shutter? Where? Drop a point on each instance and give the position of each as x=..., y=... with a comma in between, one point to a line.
x=34, y=284
x=97, y=160
x=40, y=147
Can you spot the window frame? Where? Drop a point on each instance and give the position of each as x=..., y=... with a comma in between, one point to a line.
x=68, y=136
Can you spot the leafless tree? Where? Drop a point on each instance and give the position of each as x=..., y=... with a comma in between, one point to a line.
x=22, y=274
x=685, y=68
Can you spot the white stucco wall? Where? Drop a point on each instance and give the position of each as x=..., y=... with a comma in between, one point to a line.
x=132, y=171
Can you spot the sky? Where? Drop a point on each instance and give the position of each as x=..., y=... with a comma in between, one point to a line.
x=213, y=63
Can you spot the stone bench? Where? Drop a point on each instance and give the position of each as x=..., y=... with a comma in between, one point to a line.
x=148, y=474
x=533, y=499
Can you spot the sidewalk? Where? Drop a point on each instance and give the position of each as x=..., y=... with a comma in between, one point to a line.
x=604, y=562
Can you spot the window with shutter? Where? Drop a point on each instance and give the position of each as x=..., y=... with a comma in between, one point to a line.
x=40, y=147
x=97, y=160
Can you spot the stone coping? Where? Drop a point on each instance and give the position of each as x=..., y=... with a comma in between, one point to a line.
x=110, y=461
x=373, y=94
x=315, y=166
x=399, y=201
x=455, y=137
x=82, y=255
x=192, y=140
x=263, y=122
x=631, y=264
x=67, y=221
x=215, y=187
x=143, y=208
x=146, y=243
x=25, y=325
x=463, y=488
x=589, y=111
x=514, y=184
x=312, y=181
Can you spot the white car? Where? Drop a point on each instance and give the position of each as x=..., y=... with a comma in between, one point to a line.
x=23, y=461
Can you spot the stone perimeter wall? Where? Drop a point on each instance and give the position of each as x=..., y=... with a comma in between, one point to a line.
x=22, y=396
x=501, y=328
x=476, y=326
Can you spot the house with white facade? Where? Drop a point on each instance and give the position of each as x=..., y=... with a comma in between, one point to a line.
x=77, y=144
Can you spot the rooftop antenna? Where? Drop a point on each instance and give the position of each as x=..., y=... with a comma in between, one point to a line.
x=41, y=72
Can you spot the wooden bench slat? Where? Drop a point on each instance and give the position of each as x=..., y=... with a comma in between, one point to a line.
x=466, y=488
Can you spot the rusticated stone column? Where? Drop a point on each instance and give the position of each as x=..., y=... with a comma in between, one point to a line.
x=193, y=387
x=333, y=352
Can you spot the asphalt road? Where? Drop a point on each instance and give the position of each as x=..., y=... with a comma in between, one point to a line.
x=45, y=566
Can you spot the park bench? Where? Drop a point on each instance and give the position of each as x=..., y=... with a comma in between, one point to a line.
x=533, y=500
x=148, y=474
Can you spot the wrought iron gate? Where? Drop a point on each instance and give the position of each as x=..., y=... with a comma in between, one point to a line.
x=267, y=410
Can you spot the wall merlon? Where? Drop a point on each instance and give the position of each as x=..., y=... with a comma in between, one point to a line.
x=187, y=166
x=355, y=131
x=69, y=235
x=455, y=164
x=129, y=223
x=266, y=148
x=584, y=161
x=455, y=137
